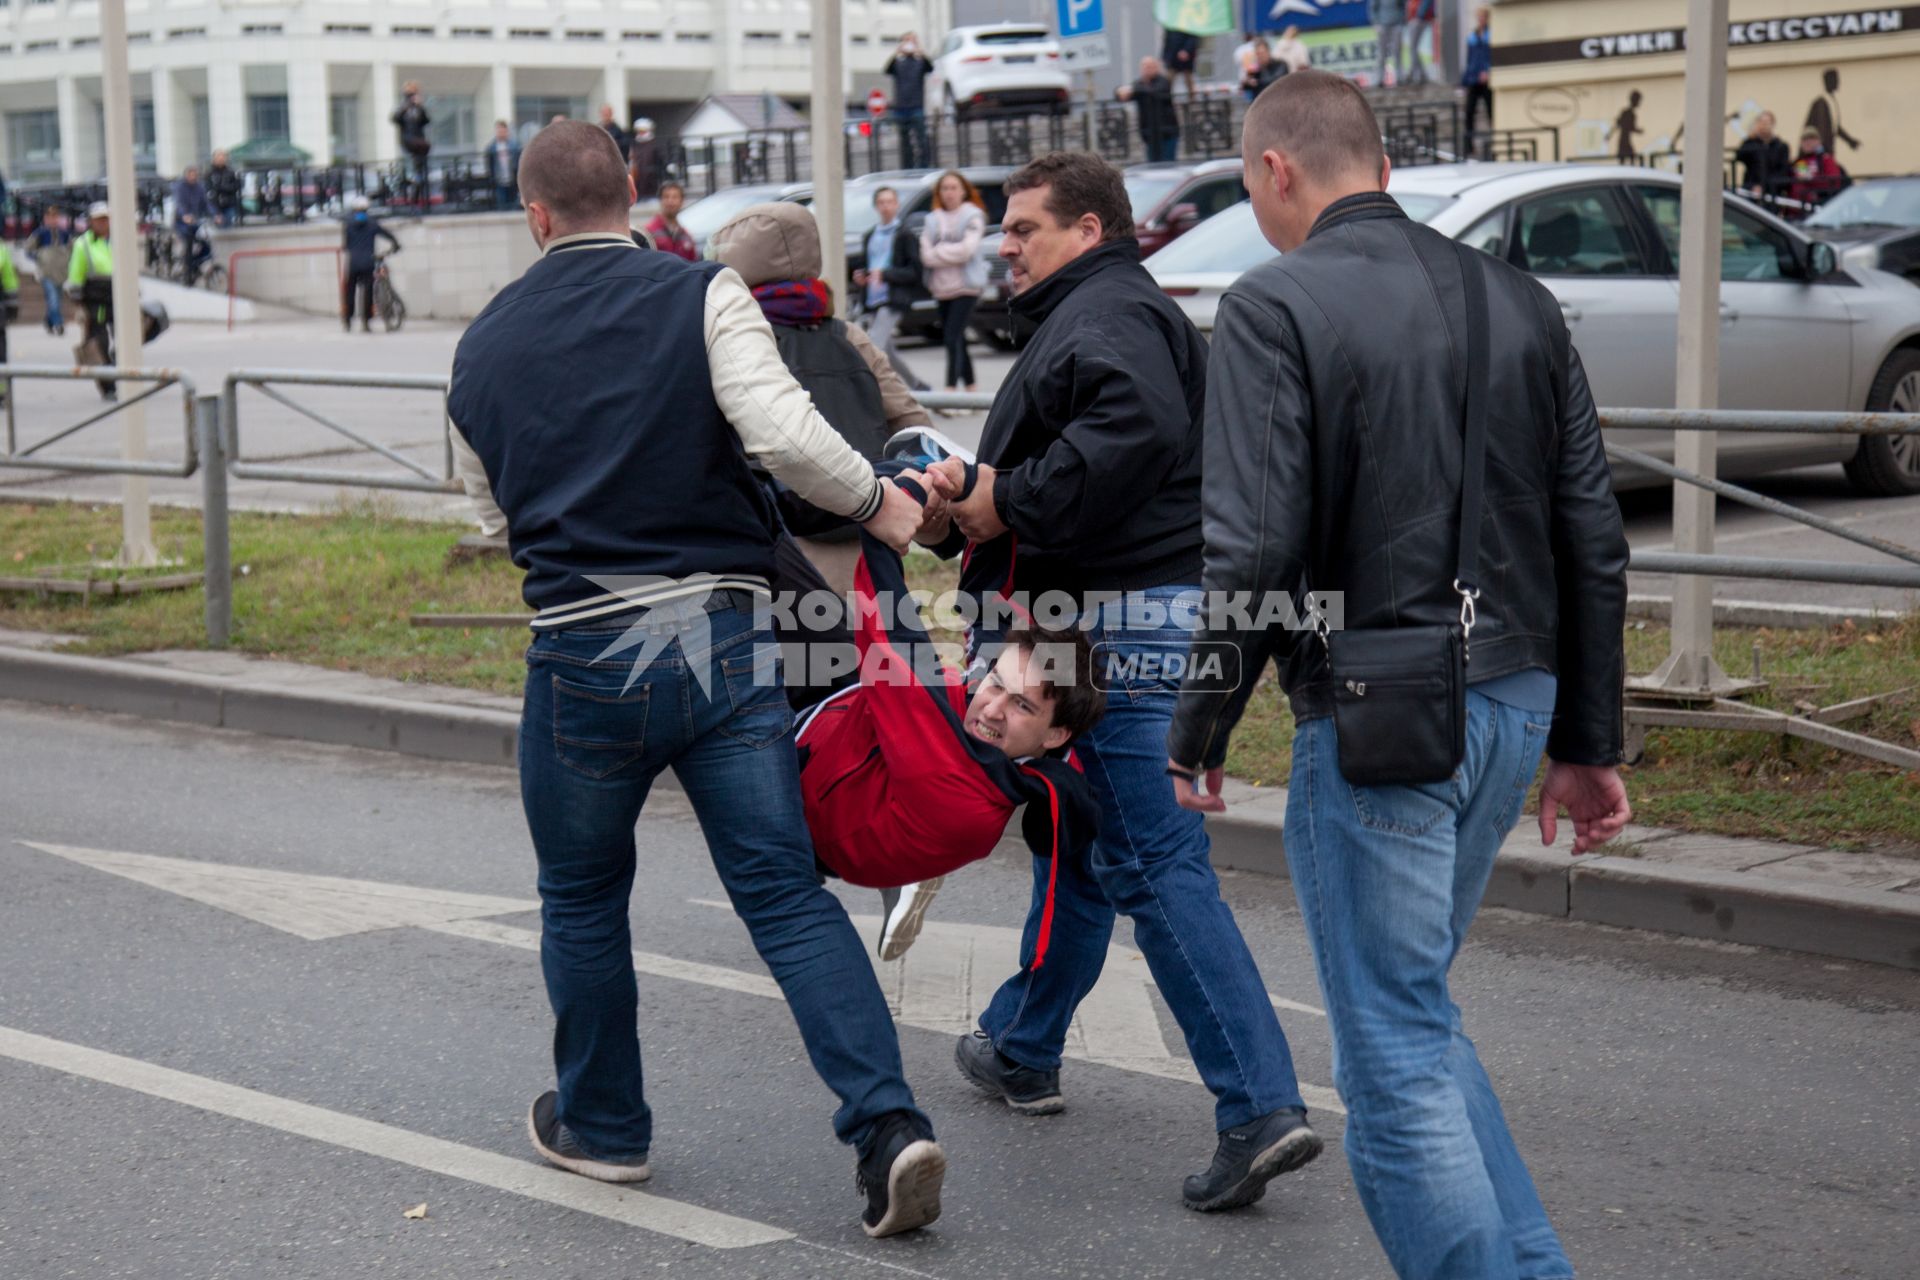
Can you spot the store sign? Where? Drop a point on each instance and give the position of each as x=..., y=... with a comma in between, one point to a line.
x=1308, y=15
x=1740, y=35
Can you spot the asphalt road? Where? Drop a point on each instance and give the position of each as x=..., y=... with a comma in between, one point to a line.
x=216, y=1066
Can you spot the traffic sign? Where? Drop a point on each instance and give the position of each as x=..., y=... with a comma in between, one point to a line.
x=877, y=103
x=1081, y=18
x=1085, y=53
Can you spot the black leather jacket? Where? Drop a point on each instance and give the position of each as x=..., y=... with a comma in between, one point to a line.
x=1332, y=463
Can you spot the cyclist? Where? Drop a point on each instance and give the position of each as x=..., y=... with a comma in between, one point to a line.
x=359, y=235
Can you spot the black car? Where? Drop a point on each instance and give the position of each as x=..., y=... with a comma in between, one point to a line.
x=1878, y=217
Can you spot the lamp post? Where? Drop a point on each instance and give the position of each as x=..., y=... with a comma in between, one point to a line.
x=136, y=527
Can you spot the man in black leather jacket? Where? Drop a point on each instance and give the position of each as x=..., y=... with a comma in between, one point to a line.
x=1333, y=455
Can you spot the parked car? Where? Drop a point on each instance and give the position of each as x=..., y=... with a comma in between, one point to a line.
x=1171, y=199
x=1800, y=329
x=1007, y=64
x=1875, y=223
x=708, y=214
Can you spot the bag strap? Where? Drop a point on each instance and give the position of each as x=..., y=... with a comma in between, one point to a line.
x=1473, y=466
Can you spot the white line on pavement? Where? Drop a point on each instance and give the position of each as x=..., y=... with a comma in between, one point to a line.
x=402, y=1146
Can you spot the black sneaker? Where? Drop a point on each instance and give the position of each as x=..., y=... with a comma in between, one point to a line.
x=556, y=1142
x=1250, y=1156
x=1028, y=1092
x=901, y=1171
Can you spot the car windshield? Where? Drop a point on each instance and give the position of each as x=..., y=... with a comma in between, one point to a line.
x=1871, y=204
x=1145, y=191
x=1230, y=241
x=1024, y=36
x=704, y=217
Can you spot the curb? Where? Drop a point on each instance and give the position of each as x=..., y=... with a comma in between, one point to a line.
x=1850, y=924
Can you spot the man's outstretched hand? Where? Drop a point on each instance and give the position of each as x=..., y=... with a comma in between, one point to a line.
x=897, y=519
x=1189, y=795
x=1593, y=796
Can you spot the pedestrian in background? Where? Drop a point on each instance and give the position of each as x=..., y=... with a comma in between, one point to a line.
x=665, y=230
x=615, y=130
x=90, y=283
x=608, y=402
x=1817, y=176
x=642, y=163
x=890, y=282
x=1765, y=163
x=52, y=248
x=1373, y=338
x=1291, y=50
x=909, y=69
x=191, y=211
x=1179, y=51
x=776, y=249
x=503, y=166
x=411, y=119
x=1152, y=98
x=1419, y=22
x=9, y=303
x=359, y=237
x=1389, y=19
x=1089, y=487
x=1476, y=77
x=956, y=272
x=223, y=190
x=1262, y=71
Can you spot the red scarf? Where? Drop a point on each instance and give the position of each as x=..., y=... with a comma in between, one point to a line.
x=794, y=303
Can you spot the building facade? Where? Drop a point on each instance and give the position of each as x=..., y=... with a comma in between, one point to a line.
x=326, y=76
x=1607, y=78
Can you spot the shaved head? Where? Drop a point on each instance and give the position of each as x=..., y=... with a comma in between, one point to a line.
x=1321, y=122
x=574, y=171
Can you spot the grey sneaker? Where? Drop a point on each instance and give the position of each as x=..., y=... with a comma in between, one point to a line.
x=905, y=909
x=1028, y=1092
x=1250, y=1156
x=556, y=1142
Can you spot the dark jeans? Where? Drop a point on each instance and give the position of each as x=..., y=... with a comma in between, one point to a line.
x=915, y=150
x=1163, y=149
x=505, y=198
x=194, y=250
x=358, y=283
x=100, y=332
x=594, y=734
x=1478, y=95
x=954, y=313
x=1150, y=862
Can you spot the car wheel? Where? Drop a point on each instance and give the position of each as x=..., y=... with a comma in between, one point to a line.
x=1889, y=466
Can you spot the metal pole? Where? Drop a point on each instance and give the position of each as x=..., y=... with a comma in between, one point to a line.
x=136, y=527
x=1690, y=664
x=827, y=114
x=213, y=518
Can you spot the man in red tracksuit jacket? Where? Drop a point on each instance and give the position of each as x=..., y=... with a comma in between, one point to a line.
x=910, y=775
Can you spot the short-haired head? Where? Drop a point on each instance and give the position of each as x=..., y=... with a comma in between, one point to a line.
x=1042, y=691
x=1308, y=139
x=884, y=191
x=1069, y=670
x=1059, y=206
x=572, y=179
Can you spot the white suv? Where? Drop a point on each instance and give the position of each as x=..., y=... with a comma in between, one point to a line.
x=1008, y=64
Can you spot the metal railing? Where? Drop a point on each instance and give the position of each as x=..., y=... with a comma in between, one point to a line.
x=265, y=381
x=31, y=456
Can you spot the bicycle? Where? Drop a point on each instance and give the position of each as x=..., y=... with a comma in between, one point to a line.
x=387, y=302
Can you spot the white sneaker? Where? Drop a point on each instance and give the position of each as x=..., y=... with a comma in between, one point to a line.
x=906, y=910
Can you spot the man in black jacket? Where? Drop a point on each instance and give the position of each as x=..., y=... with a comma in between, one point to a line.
x=360, y=235
x=1152, y=98
x=909, y=69
x=892, y=280
x=1334, y=457
x=223, y=190
x=1091, y=467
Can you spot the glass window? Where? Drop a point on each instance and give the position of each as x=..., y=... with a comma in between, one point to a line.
x=267, y=116
x=33, y=144
x=1145, y=191
x=1212, y=197
x=1749, y=248
x=202, y=127
x=1228, y=244
x=1024, y=35
x=1582, y=232
x=532, y=112
x=1888, y=202
x=1489, y=235
x=452, y=122
x=343, y=125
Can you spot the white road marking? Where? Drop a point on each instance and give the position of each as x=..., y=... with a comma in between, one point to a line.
x=402, y=1146
x=707, y=975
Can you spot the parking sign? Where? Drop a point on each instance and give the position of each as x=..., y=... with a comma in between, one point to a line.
x=1080, y=18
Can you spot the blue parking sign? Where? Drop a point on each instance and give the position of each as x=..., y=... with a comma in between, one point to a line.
x=1080, y=17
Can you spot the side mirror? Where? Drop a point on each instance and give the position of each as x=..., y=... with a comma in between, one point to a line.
x=1821, y=260
x=1183, y=218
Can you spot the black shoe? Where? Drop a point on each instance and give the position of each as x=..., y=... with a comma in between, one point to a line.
x=1028, y=1092
x=1250, y=1156
x=901, y=1171
x=556, y=1142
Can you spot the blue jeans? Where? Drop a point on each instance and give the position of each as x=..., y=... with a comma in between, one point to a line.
x=51, y=288
x=505, y=198
x=1388, y=880
x=590, y=748
x=915, y=152
x=1151, y=863
x=1164, y=150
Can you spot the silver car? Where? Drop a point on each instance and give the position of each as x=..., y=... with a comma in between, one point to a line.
x=1797, y=332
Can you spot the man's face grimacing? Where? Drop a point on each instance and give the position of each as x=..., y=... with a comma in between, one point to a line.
x=1012, y=709
x=1036, y=244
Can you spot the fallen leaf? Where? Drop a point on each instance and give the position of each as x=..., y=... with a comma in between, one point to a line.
x=18, y=556
x=418, y=1211
x=1872, y=638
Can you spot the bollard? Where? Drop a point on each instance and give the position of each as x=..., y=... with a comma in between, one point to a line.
x=213, y=519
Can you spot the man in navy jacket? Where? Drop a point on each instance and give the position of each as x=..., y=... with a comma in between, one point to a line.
x=607, y=404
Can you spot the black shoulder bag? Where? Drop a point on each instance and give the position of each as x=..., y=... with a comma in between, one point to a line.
x=1400, y=693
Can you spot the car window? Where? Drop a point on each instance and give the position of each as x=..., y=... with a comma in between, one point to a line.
x=992, y=194
x=1582, y=232
x=1230, y=243
x=1890, y=203
x=704, y=217
x=1212, y=197
x=1749, y=248
x=953, y=42
x=1145, y=191
x=1023, y=36
x=1489, y=235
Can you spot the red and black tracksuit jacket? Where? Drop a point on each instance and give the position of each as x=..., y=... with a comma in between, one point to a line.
x=896, y=790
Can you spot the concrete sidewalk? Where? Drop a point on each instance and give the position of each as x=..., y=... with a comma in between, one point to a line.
x=1856, y=906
